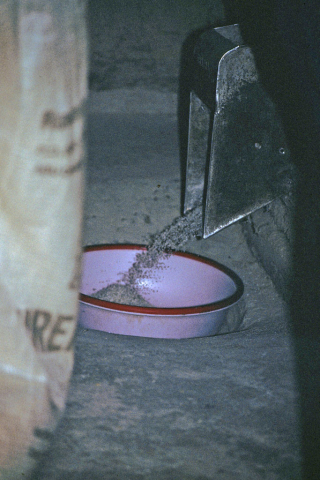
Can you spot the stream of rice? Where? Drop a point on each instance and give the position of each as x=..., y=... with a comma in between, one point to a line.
x=171, y=239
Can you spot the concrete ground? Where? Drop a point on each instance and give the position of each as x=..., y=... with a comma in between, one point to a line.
x=217, y=407
x=147, y=409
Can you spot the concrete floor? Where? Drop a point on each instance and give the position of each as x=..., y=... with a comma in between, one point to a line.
x=145, y=409
x=211, y=408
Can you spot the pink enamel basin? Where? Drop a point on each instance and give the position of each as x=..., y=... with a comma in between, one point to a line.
x=192, y=296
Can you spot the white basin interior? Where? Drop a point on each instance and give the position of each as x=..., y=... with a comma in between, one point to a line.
x=181, y=280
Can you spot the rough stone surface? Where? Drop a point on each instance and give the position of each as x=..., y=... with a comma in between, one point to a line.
x=198, y=409
x=270, y=236
x=139, y=43
x=147, y=409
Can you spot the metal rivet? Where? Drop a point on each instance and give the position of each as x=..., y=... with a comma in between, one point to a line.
x=258, y=145
x=282, y=151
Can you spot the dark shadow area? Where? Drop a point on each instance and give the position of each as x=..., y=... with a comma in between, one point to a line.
x=285, y=39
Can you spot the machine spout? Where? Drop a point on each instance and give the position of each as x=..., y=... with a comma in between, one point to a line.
x=238, y=160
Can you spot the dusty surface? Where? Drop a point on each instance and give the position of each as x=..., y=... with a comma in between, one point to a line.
x=138, y=44
x=146, y=409
x=218, y=407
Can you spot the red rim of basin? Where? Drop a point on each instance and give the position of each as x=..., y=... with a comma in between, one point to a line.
x=209, y=307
